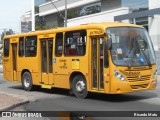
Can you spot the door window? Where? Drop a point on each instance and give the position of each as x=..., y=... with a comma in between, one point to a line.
x=50, y=53
x=44, y=56
x=21, y=46
x=6, y=47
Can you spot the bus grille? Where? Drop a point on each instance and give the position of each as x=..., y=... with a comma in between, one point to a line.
x=141, y=68
x=135, y=79
x=139, y=86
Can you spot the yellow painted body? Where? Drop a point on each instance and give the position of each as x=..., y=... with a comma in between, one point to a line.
x=65, y=65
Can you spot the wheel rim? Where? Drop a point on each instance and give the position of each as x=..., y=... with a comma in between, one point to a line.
x=80, y=86
x=26, y=81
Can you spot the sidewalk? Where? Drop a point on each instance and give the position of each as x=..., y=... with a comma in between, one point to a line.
x=8, y=101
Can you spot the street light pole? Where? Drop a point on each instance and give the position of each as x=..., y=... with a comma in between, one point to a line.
x=65, y=21
x=64, y=17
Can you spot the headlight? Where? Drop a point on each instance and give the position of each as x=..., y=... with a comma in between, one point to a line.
x=119, y=76
x=154, y=74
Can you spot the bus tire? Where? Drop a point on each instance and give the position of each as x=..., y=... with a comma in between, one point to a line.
x=79, y=86
x=27, y=81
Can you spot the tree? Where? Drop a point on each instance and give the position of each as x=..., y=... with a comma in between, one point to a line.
x=9, y=32
x=40, y=23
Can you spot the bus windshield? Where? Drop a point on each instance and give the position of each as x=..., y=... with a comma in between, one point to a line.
x=131, y=46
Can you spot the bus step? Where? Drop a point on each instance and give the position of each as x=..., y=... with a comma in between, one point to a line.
x=46, y=86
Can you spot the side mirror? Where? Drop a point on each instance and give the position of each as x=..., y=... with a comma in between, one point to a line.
x=109, y=44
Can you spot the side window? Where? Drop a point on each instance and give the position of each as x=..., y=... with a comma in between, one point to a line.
x=6, y=47
x=75, y=43
x=31, y=46
x=21, y=46
x=59, y=44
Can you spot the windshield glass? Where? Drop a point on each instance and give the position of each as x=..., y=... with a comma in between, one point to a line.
x=131, y=46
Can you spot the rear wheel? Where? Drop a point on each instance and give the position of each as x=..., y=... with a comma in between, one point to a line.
x=79, y=86
x=27, y=81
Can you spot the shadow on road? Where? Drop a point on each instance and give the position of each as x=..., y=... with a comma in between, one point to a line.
x=17, y=87
x=1, y=82
x=94, y=96
x=123, y=97
x=47, y=91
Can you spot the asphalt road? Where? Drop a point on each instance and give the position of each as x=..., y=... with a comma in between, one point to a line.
x=60, y=100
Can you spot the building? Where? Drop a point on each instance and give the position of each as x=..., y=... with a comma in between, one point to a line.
x=141, y=12
x=36, y=20
x=26, y=24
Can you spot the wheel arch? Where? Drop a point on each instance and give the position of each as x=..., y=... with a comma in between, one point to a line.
x=23, y=71
x=73, y=74
x=75, y=79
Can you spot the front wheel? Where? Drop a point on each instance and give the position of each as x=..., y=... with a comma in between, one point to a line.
x=79, y=86
x=27, y=81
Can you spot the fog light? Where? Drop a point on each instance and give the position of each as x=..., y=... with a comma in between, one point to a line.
x=154, y=82
x=154, y=75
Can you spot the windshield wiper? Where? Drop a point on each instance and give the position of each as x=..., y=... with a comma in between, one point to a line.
x=141, y=47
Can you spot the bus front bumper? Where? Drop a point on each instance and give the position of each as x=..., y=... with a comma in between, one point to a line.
x=127, y=87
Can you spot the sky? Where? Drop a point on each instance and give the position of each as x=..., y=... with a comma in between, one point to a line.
x=11, y=12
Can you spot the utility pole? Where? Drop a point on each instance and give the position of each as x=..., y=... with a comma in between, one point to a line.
x=33, y=15
x=65, y=20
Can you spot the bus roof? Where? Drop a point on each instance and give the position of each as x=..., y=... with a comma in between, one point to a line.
x=102, y=25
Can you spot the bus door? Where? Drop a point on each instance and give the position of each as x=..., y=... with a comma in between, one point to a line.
x=46, y=61
x=14, y=61
x=97, y=56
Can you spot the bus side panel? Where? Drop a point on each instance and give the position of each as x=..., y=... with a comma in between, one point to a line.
x=7, y=69
x=7, y=66
x=65, y=66
x=106, y=80
x=19, y=76
x=30, y=64
x=36, y=78
x=61, y=72
x=61, y=81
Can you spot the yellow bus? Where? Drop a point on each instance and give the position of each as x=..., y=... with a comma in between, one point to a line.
x=111, y=58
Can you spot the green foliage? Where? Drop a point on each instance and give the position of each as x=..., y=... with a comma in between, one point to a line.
x=36, y=9
x=5, y=33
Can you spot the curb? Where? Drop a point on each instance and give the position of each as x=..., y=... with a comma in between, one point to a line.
x=14, y=105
